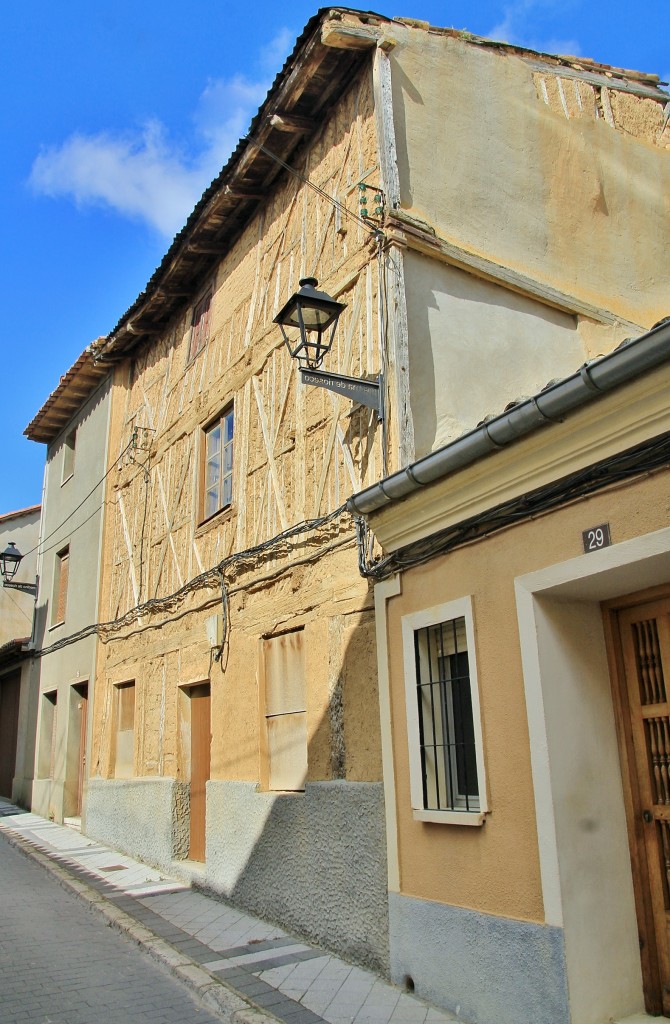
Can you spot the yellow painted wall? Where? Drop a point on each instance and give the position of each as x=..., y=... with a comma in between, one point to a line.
x=495, y=868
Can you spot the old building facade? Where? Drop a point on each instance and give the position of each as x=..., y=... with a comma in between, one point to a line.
x=489, y=217
x=239, y=709
x=74, y=424
x=17, y=698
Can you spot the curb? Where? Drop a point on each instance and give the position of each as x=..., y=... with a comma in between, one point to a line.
x=212, y=992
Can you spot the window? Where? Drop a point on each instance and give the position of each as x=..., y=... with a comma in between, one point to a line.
x=446, y=764
x=61, y=574
x=68, y=455
x=283, y=669
x=124, y=751
x=199, y=326
x=218, y=465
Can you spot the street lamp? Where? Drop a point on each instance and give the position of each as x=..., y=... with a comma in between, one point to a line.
x=10, y=559
x=9, y=562
x=313, y=313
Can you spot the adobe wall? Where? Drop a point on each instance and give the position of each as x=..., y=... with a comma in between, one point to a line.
x=555, y=177
x=298, y=453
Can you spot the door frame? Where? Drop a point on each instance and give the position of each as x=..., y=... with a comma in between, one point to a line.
x=572, y=737
x=649, y=954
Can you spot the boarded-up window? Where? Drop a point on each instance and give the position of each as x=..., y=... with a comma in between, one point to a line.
x=285, y=711
x=61, y=574
x=125, y=731
x=199, y=327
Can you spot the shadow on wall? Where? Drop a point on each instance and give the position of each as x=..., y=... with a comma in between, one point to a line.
x=315, y=862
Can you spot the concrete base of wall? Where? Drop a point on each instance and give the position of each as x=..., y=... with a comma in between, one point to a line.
x=314, y=862
x=482, y=968
x=139, y=817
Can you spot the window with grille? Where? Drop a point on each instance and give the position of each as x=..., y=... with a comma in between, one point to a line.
x=200, y=326
x=217, y=491
x=446, y=762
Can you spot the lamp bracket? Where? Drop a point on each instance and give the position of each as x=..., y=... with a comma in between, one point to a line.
x=366, y=392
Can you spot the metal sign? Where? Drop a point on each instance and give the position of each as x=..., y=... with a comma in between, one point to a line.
x=366, y=392
x=597, y=537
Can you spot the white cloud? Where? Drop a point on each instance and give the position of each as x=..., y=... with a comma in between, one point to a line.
x=144, y=174
x=519, y=26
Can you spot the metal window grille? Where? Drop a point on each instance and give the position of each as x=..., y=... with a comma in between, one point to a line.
x=446, y=725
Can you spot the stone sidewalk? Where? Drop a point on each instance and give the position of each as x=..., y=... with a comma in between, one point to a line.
x=233, y=961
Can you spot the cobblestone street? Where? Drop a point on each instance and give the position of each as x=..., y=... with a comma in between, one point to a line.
x=61, y=964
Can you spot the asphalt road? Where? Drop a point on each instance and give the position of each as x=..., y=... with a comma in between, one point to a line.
x=60, y=963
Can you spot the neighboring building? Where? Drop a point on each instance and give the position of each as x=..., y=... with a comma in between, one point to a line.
x=18, y=705
x=524, y=628
x=74, y=424
x=532, y=245
x=519, y=232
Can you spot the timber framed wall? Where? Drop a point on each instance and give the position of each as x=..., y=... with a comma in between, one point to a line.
x=312, y=859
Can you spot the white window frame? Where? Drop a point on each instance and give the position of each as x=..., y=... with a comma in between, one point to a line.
x=460, y=608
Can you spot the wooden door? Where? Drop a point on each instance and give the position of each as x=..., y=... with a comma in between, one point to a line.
x=82, y=707
x=200, y=756
x=10, y=691
x=640, y=636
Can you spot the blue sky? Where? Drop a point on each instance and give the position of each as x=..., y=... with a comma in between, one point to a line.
x=115, y=116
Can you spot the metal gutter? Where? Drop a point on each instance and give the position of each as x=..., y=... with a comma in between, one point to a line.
x=630, y=360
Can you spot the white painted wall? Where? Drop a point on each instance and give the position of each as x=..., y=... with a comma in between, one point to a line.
x=474, y=347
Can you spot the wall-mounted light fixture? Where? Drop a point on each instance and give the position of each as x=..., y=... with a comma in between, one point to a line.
x=10, y=559
x=315, y=314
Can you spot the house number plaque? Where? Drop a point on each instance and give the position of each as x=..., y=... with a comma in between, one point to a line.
x=596, y=537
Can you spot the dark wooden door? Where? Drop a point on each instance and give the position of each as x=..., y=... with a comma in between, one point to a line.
x=641, y=636
x=200, y=760
x=82, y=707
x=10, y=691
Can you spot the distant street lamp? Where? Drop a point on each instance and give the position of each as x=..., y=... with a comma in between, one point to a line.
x=10, y=559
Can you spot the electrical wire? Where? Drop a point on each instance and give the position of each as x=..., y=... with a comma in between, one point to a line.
x=316, y=188
x=40, y=543
x=644, y=459
x=240, y=559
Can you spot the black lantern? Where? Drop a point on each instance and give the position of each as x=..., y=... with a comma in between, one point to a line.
x=313, y=313
x=9, y=562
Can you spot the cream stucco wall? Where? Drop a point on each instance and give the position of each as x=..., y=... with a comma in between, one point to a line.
x=16, y=608
x=72, y=518
x=579, y=203
x=475, y=346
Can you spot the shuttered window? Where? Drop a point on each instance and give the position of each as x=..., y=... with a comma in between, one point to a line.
x=124, y=760
x=61, y=576
x=200, y=326
x=285, y=711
